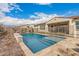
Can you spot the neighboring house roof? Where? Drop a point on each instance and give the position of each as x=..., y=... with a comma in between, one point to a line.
x=74, y=17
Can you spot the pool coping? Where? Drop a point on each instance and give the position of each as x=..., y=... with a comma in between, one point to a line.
x=27, y=51
x=22, y=45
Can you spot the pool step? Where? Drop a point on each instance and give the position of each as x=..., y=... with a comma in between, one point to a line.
x=47, y=42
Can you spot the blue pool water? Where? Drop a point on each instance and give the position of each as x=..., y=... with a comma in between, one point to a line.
x=37, y=42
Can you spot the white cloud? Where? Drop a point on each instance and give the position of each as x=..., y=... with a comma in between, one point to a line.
x=6, y=20
x=4, y=7
x=8, y=7
x=43, y=3
x=71, y=13
x=2, y=14
x=9, y=21
x=42, y=17
x=38, y=18
x=17, y=7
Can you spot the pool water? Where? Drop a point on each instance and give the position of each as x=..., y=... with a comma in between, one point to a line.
x=37, y=42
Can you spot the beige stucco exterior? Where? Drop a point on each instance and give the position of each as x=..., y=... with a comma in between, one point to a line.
x=38, y=28
x=65, y=25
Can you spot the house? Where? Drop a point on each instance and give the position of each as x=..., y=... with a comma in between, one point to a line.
x=22, y=29
x=41, y=27
x=64, y=25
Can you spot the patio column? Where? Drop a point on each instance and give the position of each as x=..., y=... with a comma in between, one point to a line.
x=46, y=28
x=58, y=28
x=72, y=28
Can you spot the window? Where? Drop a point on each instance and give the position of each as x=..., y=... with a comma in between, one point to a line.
x=35, y=25
x=42, y=26
x=77, y=25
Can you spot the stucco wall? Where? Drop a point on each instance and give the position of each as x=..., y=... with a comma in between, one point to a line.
x=72, y=28
x=77, y=30
x=43, y=30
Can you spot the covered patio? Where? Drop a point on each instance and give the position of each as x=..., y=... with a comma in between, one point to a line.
x=59, y=27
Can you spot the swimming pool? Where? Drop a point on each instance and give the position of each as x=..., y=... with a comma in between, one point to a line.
x=37, y=42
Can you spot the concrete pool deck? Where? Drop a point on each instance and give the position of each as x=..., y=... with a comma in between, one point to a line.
x=63, y=47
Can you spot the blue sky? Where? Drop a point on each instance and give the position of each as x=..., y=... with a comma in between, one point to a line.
x=29, y=9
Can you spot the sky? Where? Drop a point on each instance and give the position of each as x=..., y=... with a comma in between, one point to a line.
x=35, y=12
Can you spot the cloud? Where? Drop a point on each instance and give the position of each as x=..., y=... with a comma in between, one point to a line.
x=71, y=13
x=9, y=21
x=2, y=14
x=8, y=7
x=4, y=7
x=42, y=17
x=15, y=6
x=38, y=18
x=44, y=3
